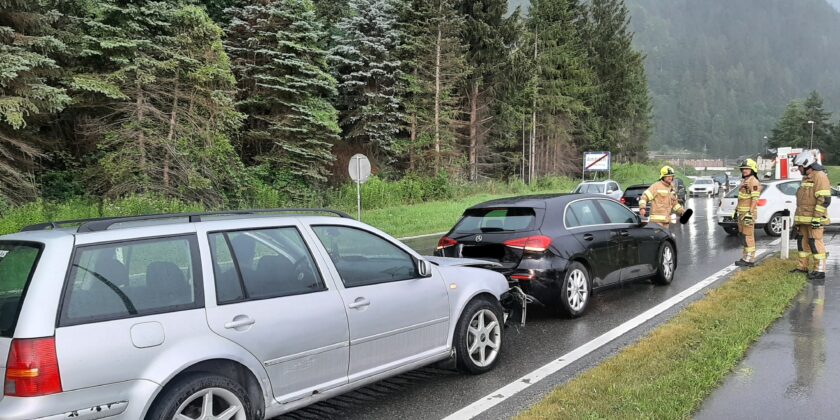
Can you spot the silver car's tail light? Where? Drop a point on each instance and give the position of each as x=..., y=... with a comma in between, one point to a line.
x=32, y=368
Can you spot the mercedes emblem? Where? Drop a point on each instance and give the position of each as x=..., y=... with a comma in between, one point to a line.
x=478, y=238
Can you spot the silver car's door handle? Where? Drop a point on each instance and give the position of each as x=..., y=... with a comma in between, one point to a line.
x=240, y=322
x=359, y=303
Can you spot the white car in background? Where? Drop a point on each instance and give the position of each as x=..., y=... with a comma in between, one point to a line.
x=609, y=188
x=703, y=186
x=776, y=197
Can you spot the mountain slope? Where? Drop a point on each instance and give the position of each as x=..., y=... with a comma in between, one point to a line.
x=721, y=72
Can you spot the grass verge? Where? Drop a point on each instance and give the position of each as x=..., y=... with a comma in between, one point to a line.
x=669, y=373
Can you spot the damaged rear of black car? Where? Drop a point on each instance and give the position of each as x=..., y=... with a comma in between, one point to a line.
x=559, y=249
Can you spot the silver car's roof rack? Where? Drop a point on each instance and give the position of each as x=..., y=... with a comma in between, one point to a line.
x=101, y=224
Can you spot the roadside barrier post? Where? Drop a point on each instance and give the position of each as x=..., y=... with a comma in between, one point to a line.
x=785, y=242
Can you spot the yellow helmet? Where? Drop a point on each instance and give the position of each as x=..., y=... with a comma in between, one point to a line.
x=749, y=164
x=666, y=171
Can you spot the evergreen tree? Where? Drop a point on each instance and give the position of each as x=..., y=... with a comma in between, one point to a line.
x=371, y=82
x=815, y=111
x=489, y=32
x=29, y=88
x=435, y=67
x=792, y=129
x=563, y=83
x=622, y=98
x=285, y=89
x=159, y=87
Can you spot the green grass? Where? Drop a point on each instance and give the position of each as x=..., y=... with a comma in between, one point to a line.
x=668, y=374
x=833, y=174
x=401, y=209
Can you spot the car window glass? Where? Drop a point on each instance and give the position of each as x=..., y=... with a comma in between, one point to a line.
x=362, y=258
x=511, y=219
x=789, y=188
x=616, y=213
x=133, y=278
x=262, y=264
x=17, y=263
x=586, y=213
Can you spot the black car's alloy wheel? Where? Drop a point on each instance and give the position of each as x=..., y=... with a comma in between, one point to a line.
x=576, y=290
x=667, y=264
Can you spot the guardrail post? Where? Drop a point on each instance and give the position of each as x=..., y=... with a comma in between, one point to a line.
x=785, y=242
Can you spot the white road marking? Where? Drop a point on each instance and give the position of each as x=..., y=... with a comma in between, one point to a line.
x=421, y=236
x=496, y=397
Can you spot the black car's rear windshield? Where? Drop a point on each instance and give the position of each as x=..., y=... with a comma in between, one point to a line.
x=511, y=219
x=17, y=263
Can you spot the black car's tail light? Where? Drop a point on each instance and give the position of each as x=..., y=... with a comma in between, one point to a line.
x=530, y=243
x=521, y=277
x=446, y=242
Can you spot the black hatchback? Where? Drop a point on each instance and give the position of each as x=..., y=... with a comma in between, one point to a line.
x=559, y=249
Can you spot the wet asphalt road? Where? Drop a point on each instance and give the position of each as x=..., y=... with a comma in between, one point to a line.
x=434, y=393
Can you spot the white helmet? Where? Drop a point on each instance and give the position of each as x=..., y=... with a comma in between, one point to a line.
x=804, y=159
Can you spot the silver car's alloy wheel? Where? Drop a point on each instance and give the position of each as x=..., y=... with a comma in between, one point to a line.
x=577, y=290
x=211, y=404
x=667, y=262
x=484, y=338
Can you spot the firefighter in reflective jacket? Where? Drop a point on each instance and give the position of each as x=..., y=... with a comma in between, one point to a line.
x=747, y=212
x=812, y=201
x=662, y=198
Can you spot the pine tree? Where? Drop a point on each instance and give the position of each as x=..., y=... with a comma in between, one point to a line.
x=435, y=67
x=160, y=80
x=488, y=34
x=622, y=98
x=815, y=111
x=285, y=89
x=563, y=83
x=29, y=88
x=371, y=81
x=792, y=129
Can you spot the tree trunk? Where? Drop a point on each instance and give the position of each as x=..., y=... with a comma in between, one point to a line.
x=437, y=100
x=474, y=131
x=173, y=117
x=141, y=136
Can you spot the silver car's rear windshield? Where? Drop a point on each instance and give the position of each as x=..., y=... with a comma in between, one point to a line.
x=590, y=189
x=17, y=263
x=512, y=219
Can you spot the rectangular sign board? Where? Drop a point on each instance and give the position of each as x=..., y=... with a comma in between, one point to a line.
x=596, y=161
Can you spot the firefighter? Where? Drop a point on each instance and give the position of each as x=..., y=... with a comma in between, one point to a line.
x=747, y=211
x=812, y=201
x=663, y=200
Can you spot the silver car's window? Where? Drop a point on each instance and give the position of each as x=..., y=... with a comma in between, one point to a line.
x=583, y=213
x=132, y=278
x=616, y=212
x=17, y=264
x=590, y=189
x=262, y=264
x=362, y=258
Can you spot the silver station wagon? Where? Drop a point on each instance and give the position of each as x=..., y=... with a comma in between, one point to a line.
x=242, y=315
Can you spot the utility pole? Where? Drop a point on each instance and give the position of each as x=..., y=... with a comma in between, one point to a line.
x=812, y=135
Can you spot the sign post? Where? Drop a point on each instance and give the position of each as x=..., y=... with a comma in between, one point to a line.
x=359, y=170
x=597, y=162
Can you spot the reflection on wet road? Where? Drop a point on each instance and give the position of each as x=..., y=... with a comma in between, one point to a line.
x=432, y=393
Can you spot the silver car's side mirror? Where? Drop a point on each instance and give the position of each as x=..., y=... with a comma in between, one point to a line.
x=424, y=268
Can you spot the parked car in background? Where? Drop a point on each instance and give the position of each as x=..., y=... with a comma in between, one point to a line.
x=631, y=197
x=609, y=188
x=226, y=315
x=703, y=187
x=559, y=249
x=776, y=196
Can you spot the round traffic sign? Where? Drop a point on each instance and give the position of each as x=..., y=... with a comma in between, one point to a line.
x=359, y=168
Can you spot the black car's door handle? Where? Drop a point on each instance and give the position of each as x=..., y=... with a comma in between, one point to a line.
x=588, y=237
x=625, y=233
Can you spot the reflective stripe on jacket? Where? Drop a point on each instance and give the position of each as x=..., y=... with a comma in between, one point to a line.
x=810, y=199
